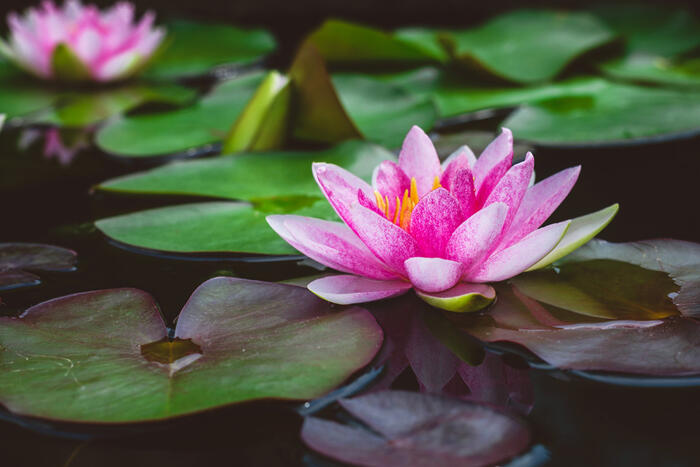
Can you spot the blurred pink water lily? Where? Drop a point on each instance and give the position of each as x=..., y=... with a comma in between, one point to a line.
x=443, y=229
x=96, y=45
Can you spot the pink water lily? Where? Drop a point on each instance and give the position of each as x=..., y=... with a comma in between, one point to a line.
x=107, y=45
x=443, y=229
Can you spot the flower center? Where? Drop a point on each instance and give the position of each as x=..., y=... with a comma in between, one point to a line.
x=399, y=212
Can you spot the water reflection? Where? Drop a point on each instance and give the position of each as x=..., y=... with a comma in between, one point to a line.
x=63, y=145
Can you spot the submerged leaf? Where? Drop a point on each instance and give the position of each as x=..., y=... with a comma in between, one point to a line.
x=407, y=428
x=102, y=356
x=16, y=259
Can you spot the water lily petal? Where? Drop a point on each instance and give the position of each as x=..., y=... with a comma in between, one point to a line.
x=493, y=163
x=419, y=160
x=389, y=242
x=462, y=188
x=512, y=187
x=390, y=181
x=462, y=158
x=520, y=256
x=329, y=243
x=461, y=298
x=340, y=187
x=433, y=274
x=539, y=203
x=433, y=220
x=346, y=290
x=475, y=237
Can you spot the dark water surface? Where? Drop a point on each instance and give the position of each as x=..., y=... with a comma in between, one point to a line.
x=579, y=422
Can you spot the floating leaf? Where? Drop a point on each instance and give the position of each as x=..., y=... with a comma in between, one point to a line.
x=196, y=48
x=20, y=96
x=211, y=227
x=105, y=356
x=251, y=176
x=407, y=428
x=163, y=133
x=615, y=113
x=17, y=259
x=77, y=110
x=656, y=37
x=345, y=42
x=528, y=46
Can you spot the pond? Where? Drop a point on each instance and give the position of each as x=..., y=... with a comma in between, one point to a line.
x=156, y=275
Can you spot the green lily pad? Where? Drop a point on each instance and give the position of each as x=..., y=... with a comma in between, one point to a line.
x=163, y=133
x=461, y=298
x=603, y=288
x=382, y=112
x=18, y=259
x=77, y=110
x=251, y=176
x=528, y=46
x=105, y=356
x=196, y=48
x=211, y=227
x=657, y=39
x=615, y=113
x=20, y=96
x=344, y=42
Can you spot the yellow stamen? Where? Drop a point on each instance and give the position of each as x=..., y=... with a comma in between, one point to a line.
x=436, y=183
x=386, y=203
x=396, y=212
x=380, y=201
x=414, y=191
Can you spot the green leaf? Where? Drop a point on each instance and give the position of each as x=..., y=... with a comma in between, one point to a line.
x=251, y=176
x=603, y=289
x=528, y=46
x=655, y=69
x=383, y=112
x=615, y=113
x=81, y=109
x=196, y=48
x=169, y=132
x=345, y=42
x=580, y=231
x=461, y=298
x=20, y=97
x=262, y=124
x=211, y=227
x=67, y=66
x=104, y=356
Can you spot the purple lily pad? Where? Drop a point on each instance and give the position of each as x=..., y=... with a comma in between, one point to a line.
x=17, y=259
x=105, y=356
x=418, y=429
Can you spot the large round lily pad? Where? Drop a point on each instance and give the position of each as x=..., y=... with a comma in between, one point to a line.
x=196, y=48
x=163, y=133
x=406, y=428
x=528, y=46
x=105, y=356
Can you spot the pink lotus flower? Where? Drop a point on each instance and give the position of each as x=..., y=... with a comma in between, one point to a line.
x=102, y=45
x=444, y=230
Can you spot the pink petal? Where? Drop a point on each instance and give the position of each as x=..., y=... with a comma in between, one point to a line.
x=517, y=258
x=462, y=188
x=433, y=220
x=340, y=187
x=433, y=274
x=369, y=203
x=390, y=181
x=329, y=243
x=512, y=187
x=493, y=163
x=539, y=203
x=346, y=290
x=463, y=158
x=476, y=236
x=419, y=159
x=389, y=242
